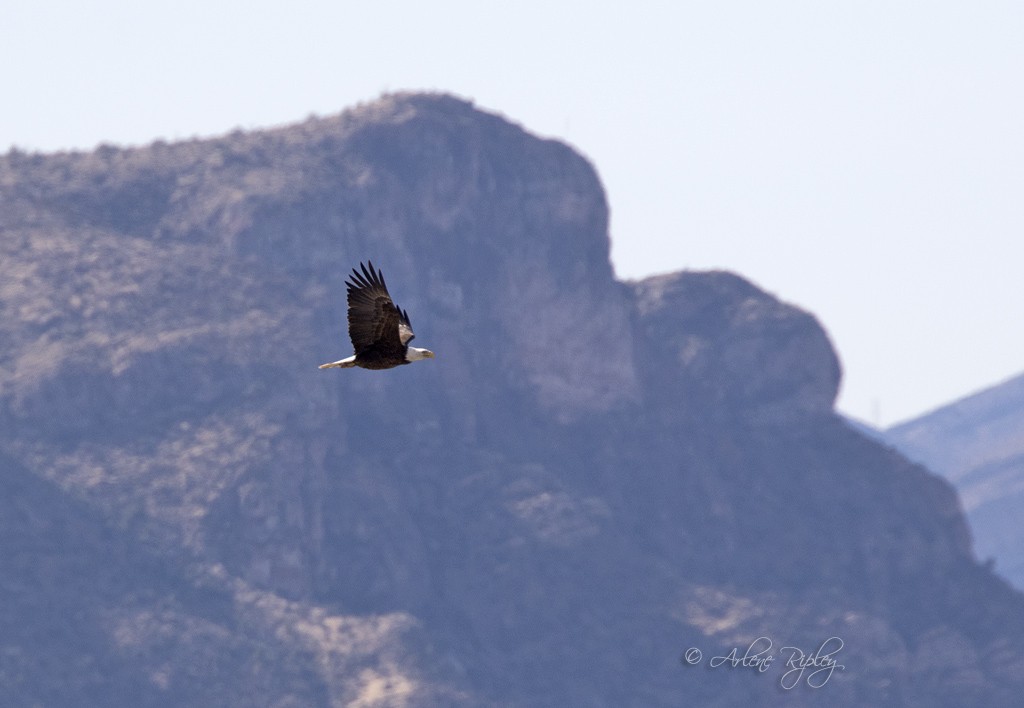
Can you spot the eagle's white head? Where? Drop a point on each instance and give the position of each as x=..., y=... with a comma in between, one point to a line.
x=415, y=354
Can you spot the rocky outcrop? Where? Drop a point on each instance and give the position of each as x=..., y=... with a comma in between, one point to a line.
x=715, y=340
x=591, y=477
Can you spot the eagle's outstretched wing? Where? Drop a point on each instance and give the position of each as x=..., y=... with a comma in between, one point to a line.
x=375, y=323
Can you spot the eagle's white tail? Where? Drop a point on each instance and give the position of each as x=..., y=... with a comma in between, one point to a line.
x=342, y=364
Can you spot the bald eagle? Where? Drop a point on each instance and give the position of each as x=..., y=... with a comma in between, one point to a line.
x=379, y=330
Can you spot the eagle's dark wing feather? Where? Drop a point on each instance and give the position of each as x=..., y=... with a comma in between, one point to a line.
x=375, y=325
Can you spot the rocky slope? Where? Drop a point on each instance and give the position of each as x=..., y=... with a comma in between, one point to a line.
x=977, y=443
x=591, y=477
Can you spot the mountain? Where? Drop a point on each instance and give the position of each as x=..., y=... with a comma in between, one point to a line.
x=977, y=443
x=593, y=481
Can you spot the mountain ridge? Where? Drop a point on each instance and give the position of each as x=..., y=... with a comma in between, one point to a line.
x=591, y=477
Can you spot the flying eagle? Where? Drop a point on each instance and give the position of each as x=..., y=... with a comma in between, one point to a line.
x=379, y=330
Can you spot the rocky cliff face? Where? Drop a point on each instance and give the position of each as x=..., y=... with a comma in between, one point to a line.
x=734, y=348
x=591, y=477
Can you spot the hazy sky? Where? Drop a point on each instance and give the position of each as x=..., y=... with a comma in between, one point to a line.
x=863, y=160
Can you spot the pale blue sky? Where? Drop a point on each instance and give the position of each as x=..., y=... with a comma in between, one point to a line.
x=864, y=160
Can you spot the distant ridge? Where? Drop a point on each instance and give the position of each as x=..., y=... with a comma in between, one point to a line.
x=977, y=443
x=979, y=427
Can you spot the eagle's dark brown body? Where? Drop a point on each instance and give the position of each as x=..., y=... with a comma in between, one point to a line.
x=379, y=330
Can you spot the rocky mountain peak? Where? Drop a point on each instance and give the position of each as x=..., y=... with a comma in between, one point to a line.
x=591, y=477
